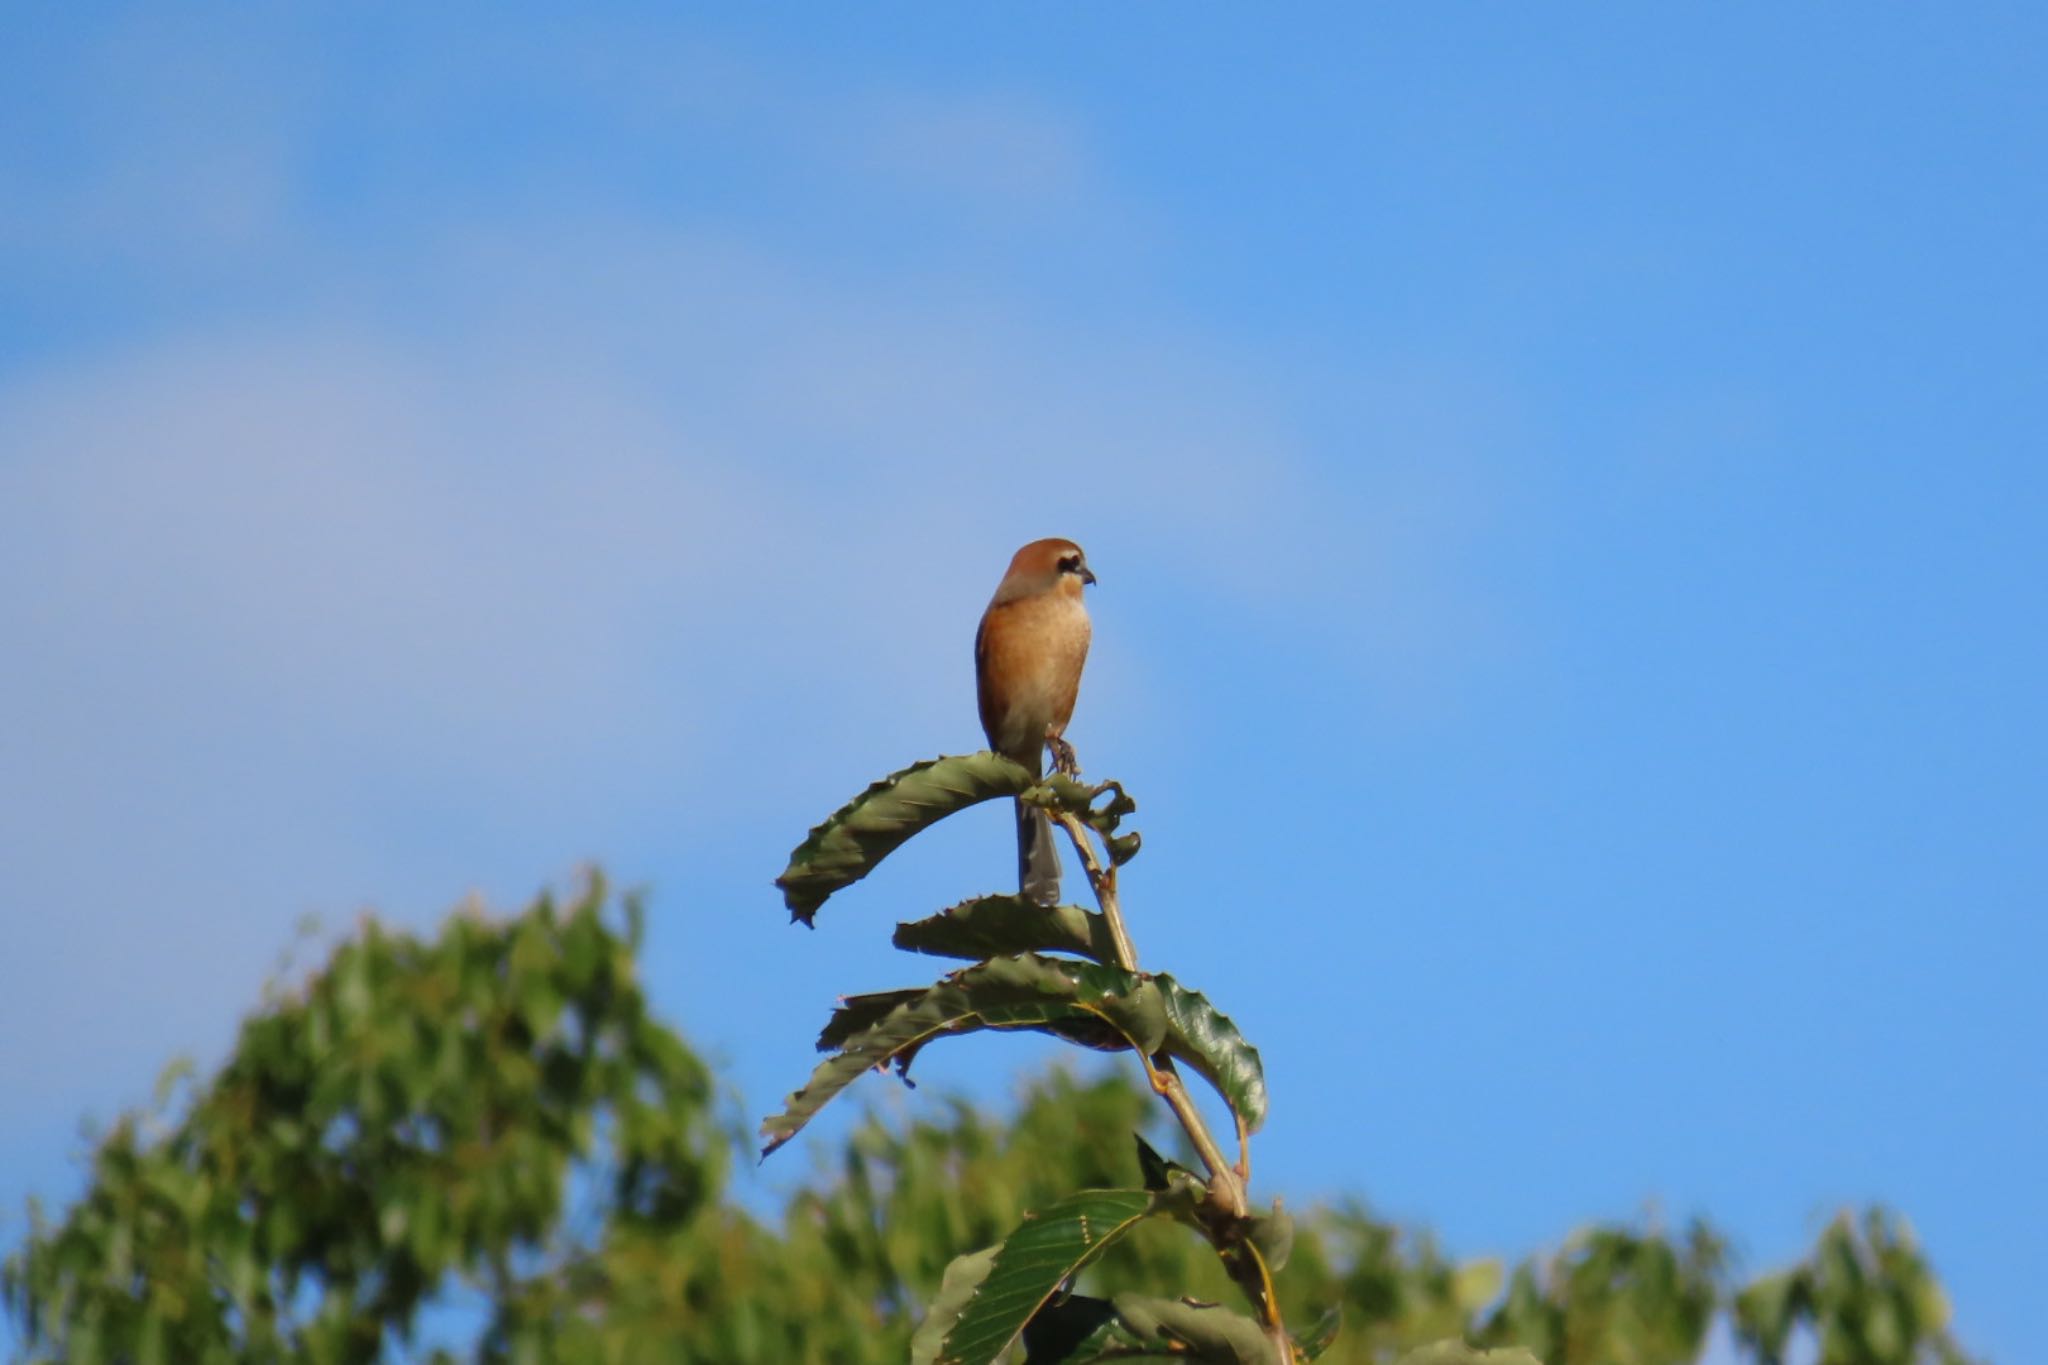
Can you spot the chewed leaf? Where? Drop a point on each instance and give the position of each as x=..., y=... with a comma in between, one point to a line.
x=1062, y=793
x=857, y=836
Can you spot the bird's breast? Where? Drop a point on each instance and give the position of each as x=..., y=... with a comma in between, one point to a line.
x=1033, y=652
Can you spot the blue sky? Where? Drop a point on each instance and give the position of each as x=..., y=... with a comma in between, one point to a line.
x=1568, y=491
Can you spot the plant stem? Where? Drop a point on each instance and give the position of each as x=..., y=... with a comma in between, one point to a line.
x=1269, y=1309
x=1229, y=1185
x=1165, y=1081
x=1102, y=880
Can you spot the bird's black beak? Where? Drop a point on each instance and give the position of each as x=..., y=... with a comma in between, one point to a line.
x=1087, y=574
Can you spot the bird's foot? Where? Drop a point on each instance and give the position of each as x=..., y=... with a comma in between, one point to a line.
x=1063, y=758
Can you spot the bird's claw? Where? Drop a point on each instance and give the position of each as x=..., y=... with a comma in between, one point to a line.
x=1063, y=758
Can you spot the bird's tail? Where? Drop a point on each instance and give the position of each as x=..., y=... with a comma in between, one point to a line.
x=1038, y=856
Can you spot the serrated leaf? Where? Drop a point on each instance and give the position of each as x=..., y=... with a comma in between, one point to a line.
x=1205, y=1038
x=963, y=1279
x=1455, y=1352
x=857, y=836
x=1083, y=1002
x=995, y=926
x=1047, y=1248
x=858, y=1013
x=1210, y=1333
x=1311, y=1344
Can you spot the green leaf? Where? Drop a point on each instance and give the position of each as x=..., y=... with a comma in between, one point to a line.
x=1476, y=1284
x=1273, y=1234
x=963, y=1280
x=868, y=828
x=1455, y=1352
x=1048, y=1247
x=994, y=926
x=1767, y=1310
x=858, y=1013
x=1158, y=1172
x=1062, y=793
x=1206, y=1039
x=1311, y=1344
x=1086, y=1003
x=1210, y=1333
x=1175, y=1189
x=1083, y=1002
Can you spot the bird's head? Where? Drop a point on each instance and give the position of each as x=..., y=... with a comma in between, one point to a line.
x=1046, y=566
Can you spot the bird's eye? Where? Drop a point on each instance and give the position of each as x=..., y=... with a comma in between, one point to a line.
x=1070, y=564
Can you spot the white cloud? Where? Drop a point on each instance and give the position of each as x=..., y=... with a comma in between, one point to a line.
x=478, y=541
x=271, y=581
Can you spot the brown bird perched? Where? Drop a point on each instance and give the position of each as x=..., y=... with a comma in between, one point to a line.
x=1027, y=669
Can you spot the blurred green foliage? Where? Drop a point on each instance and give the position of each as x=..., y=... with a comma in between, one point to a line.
x=1865, y=1293
x=493, y=1114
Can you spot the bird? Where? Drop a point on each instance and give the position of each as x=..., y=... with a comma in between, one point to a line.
x=1028, y=655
